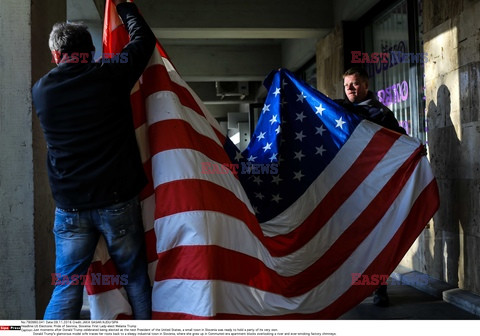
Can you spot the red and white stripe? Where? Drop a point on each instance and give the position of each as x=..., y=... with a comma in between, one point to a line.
x=211, y=259
x=218, y=264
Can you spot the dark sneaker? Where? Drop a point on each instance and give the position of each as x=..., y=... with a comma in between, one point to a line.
x=380, y=299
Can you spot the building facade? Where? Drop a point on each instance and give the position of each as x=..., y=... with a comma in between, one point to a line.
x=431, y=83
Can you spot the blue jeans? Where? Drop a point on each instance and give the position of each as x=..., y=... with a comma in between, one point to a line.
x=76, y=236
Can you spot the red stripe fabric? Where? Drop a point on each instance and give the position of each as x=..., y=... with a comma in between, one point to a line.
x=370, y=157
x=181, y=134
x=148, y=190
x=156, y=79
x=192, y=262
x=263, y=268
x=151, y=241
x=422, y=211
x=103, y=273
x=138, y=107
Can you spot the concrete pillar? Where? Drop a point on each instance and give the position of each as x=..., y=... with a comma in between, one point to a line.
x=26, y=206
x=297, y=52
x=44, y=14
x=17, y=248
x=452, y=243
x=329, y=57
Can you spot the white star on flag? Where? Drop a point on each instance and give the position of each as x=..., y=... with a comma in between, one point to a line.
x=276, y=179
x=300, y=116
x=298, y=175
x=301, y=97
x=274, y=119
x=261, y=136
x=320, y=150
x=257, y=179
x=340, y=123
x=320, y=130
x=299, y=136
x=238, y=156
x=266, y=108
x=319, y=110
x=299, y=155
x=259, y=195
x=276, y=198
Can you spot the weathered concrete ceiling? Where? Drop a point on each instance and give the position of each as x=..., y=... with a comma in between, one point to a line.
x=245, y=14
x=211, y=40
x=83, y=11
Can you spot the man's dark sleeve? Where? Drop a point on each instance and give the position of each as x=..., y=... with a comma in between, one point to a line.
x=376, y=113
x=359, y=110
x=384, y=117
x=391, y=122
x=142, y=40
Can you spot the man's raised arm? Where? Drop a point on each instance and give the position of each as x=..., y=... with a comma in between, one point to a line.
x=142, y=40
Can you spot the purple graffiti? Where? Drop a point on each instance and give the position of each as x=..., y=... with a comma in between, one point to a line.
x=394, y=94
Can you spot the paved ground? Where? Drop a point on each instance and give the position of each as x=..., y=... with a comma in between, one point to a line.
x=408, y=303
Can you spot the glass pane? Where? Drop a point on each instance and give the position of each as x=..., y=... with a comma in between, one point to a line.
x=395, y=76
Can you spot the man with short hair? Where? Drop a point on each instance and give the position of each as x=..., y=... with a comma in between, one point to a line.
x=361, y=101
x=94, y=164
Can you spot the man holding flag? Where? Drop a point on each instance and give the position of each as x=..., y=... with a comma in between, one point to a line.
x=94, y=165
x=282, y=245
x=360, y=100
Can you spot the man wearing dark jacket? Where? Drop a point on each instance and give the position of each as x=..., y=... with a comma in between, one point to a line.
x=94, y=165
x=361, y=101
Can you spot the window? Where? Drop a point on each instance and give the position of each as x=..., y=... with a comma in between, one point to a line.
x=396, y=77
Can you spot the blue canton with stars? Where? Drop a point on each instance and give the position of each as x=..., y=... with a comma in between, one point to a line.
x=299, y=132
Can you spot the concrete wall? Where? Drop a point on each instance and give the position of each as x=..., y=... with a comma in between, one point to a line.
x=297, y=52
x=449, y=249
x=344, y=10
x=26, y=207
x=330, y=64
x=17, y=258
x=44, y=15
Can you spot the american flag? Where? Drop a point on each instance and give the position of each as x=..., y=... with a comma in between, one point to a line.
x=318, y=198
